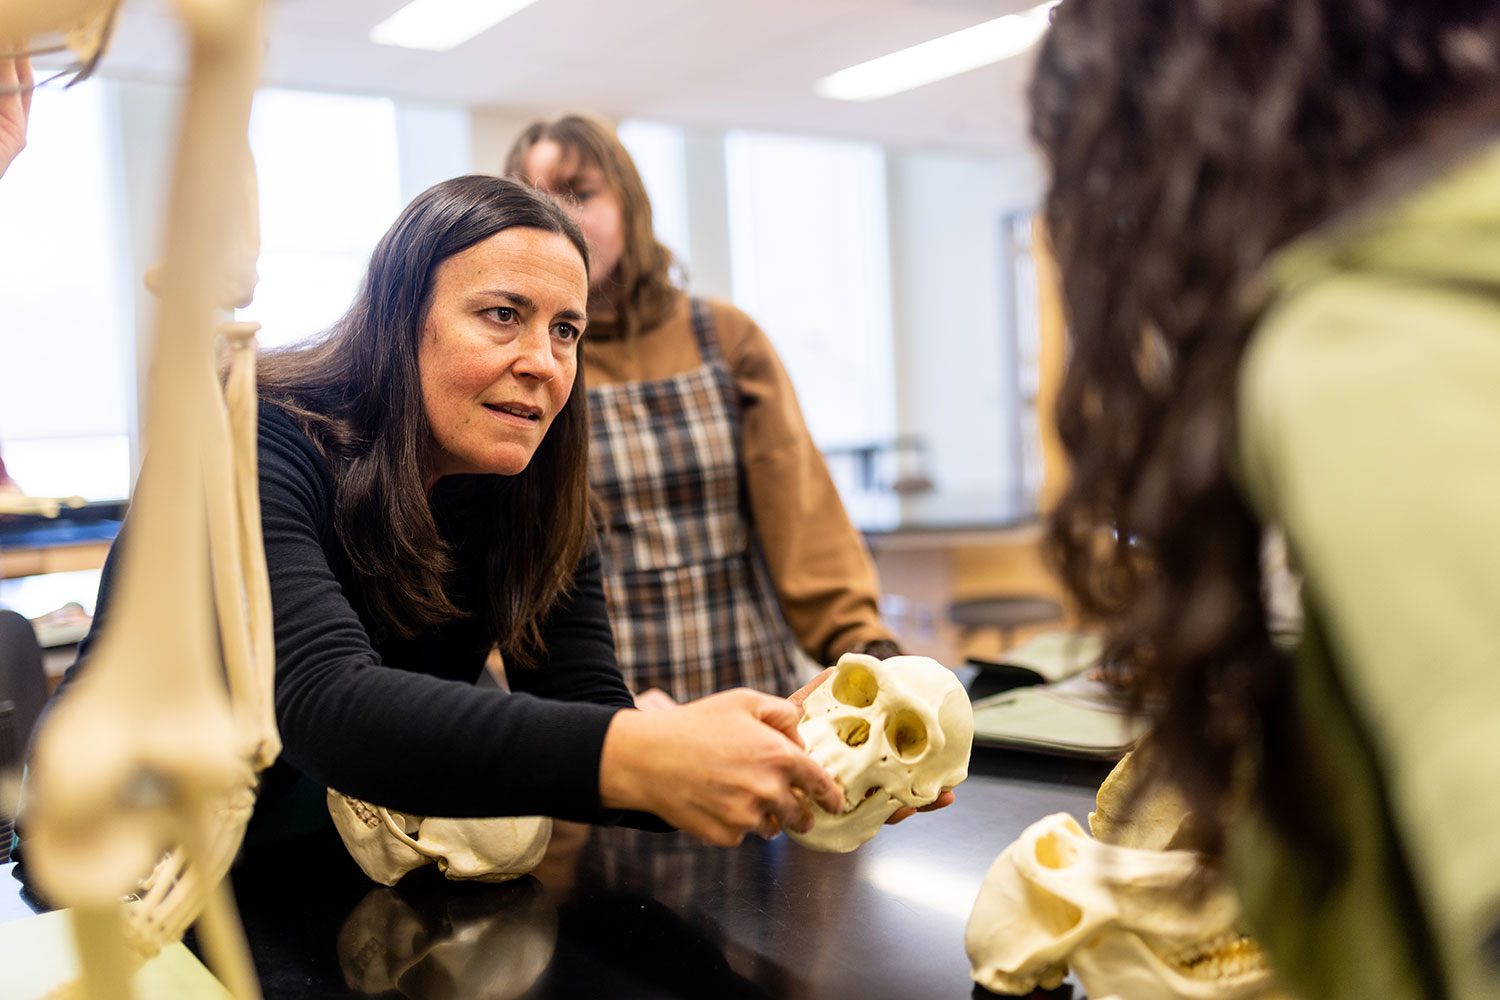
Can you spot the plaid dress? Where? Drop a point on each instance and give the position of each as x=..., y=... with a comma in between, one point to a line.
x=689, y=595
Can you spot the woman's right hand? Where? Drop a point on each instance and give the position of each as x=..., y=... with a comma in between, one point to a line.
x=718, y=768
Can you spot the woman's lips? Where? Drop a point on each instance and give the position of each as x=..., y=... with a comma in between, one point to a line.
x=515, y=411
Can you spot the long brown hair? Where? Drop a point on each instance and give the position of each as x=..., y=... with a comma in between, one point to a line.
x=1188, y=140
x=357, y=392
x=642, y=280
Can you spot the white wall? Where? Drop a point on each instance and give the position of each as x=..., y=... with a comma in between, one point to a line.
x=148, y=130
x=491, y=134
x=709, y=270
x=950, y=290
x=953, y=349
x=433, y=143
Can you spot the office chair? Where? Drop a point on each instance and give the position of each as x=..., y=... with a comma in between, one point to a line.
x=23, y=690
x=1006, y=613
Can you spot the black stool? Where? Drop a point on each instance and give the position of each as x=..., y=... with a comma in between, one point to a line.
x=1005, y=613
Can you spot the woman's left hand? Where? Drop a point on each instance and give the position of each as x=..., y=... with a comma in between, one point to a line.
x=945, y=799
x=15, y=106
x=800, y=695
x=654, y=700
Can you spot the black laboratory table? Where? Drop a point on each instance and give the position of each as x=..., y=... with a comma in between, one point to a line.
x=617, y=913
x=620, y=914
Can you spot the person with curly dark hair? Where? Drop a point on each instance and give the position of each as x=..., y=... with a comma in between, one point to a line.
x=1278, y=228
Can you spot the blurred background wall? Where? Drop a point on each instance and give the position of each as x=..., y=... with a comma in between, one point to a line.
x=886, y=246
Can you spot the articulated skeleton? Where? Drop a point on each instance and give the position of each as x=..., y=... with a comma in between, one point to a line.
x=144, y=774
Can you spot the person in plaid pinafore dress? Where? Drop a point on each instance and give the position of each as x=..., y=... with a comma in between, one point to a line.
x=725, y=544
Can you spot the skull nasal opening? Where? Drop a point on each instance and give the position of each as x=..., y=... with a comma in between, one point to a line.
x=852, y=731
x=856, y=687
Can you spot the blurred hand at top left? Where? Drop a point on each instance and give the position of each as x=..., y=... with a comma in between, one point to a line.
x=15, y=105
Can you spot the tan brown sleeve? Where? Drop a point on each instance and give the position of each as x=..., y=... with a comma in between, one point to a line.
x=822, y=572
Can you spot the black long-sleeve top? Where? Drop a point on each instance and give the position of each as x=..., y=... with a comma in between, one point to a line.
x=401, y=722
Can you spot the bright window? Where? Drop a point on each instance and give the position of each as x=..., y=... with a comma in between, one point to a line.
x=809, y=250
x=329, y=188
x=66, y=374
x=657, y=149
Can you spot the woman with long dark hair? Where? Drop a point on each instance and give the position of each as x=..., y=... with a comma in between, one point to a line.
x=424, y=494
x=1276, y=224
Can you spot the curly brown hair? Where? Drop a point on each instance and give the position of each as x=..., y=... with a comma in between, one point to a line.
x=1188, y=141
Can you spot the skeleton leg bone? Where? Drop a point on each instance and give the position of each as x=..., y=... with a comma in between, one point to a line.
x=146, y=750
x=241, y=586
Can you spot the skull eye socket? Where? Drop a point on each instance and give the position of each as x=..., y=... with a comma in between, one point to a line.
x=1052, y=853
x=856, y=687
x=907, y=735
x=852, y=731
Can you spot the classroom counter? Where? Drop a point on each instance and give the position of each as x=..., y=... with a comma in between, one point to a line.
x=615, y=913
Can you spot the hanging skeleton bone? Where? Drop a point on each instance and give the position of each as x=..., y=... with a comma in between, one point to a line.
x=143, y=775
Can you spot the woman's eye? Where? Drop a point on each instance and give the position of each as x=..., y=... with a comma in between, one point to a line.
x=567, y=332
x=502, y=314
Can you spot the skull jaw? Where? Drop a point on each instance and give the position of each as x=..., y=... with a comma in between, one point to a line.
x=380, y=856
x=1118, y=963
x=999, y=981
x=843, y=833
x=487, y=850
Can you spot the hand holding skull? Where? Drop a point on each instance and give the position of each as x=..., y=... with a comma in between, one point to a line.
x=718, y=768
x=896, y=733
x=944, y=799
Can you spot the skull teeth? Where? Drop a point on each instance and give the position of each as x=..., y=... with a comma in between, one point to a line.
x=363, y=812
x=1227, y=956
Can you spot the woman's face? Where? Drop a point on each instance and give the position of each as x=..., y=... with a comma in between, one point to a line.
x=585, y=194
x=499, y=350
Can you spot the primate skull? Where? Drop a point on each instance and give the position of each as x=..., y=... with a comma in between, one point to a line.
x=891, y=732
x=388, y=844
x=1133, y=924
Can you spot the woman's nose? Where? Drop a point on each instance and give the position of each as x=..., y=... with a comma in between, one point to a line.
x=535, y=356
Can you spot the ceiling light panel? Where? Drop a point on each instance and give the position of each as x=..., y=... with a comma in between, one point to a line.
x=440, y=25
x=939, y=58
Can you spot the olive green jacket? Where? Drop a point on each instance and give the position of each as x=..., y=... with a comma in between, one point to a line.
x=1369, y=429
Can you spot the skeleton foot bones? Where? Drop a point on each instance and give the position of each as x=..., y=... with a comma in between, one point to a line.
x=1133, y=922
x=894, y=732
